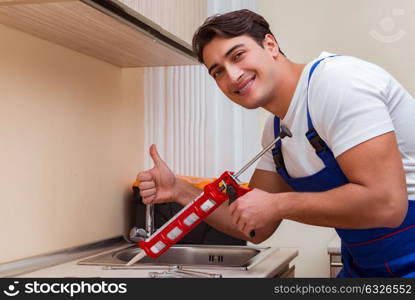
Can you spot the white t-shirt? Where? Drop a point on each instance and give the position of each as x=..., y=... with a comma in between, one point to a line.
x=350, y=101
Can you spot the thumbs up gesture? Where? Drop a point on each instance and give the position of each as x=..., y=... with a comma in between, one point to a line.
x=157, y=184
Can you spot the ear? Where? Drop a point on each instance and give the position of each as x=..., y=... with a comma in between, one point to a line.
x=271, y=45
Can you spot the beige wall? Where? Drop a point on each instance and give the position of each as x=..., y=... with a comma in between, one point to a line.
x=70, y=146
x=380, y=31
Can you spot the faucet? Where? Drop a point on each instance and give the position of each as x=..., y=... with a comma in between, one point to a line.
x=149, y=219
x=140, y=234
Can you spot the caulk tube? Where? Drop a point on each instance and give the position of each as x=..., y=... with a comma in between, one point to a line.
x=189, y=217
x=159, y=242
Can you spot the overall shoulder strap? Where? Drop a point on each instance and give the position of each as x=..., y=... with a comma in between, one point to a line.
x=312, y=135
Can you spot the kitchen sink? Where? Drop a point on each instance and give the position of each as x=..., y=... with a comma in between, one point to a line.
x=241, y=257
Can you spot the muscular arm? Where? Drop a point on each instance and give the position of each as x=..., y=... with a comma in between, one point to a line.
x=221, y=219
x=375, y=197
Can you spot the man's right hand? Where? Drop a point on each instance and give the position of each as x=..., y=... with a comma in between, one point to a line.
x=157, y=185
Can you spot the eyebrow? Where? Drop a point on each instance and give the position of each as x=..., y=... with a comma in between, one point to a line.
x=226, y=54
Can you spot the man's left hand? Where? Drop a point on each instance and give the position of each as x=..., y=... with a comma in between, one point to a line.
x=253, y=210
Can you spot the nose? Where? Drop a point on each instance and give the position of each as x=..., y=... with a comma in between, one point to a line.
x=234, y=73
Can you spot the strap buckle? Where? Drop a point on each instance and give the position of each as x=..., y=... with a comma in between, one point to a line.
x=316, y=141
x=278, y=159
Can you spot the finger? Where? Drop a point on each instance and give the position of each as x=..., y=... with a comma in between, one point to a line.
x=242, y=222
x=149, y=200
x=148, y=193
x=242, y=227
x=232, y=208
x=235, y=212
x=247, y=229
x=144, y=176
x=145, y=185
x=236, y=220
x=155, y=156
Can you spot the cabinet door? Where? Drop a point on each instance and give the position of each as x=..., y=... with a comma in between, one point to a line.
x=179, y=17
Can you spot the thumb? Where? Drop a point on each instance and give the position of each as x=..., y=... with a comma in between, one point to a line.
x=155, y=156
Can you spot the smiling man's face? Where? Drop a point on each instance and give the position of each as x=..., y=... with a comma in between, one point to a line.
x=244, y=71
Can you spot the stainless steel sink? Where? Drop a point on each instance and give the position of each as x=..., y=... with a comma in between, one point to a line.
x=241, y=257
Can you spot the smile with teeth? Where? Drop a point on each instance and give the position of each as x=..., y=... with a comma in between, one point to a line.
x=245, y=86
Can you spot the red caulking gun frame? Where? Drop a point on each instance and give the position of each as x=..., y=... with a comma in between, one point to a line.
x=214, y=194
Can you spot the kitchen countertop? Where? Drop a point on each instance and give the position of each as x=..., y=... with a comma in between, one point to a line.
x=272, y=265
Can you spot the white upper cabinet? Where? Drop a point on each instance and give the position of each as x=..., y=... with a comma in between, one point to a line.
x=111, y=30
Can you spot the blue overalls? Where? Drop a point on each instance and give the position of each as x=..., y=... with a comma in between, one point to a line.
x=378, y=252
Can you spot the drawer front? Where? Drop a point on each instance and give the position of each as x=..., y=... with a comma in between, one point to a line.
x=335, y=264
x=335, y=258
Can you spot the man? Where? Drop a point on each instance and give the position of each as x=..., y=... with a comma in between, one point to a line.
x=350, y=163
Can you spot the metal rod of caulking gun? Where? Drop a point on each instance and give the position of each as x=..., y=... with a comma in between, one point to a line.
x=283, y=133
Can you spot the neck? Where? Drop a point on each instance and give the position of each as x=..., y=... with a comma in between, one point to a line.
x=285, y=87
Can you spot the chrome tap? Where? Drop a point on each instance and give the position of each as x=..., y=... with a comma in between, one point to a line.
x=149, y=219
x=140, y=234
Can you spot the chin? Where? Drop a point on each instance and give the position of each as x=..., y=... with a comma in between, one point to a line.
x=246, y=103
x=250, y=105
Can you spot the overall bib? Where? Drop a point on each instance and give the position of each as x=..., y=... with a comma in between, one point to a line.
x=378, y=252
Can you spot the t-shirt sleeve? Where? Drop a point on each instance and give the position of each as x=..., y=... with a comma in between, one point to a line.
x=347, y=103
x=267, y=161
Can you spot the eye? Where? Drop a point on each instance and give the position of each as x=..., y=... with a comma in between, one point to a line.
x=217, y=73
x=238, y=55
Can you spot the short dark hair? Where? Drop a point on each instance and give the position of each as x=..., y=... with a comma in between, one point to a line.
x=229, y=25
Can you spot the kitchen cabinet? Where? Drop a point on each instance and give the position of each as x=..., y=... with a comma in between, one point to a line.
x=335, y=264
x=334, y=251
x=107, y=30
x=172, y=15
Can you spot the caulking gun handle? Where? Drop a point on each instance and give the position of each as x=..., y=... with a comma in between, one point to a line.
x=234, y=194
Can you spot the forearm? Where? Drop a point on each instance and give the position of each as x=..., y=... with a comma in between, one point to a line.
x=185, y=192
x=350, y=206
